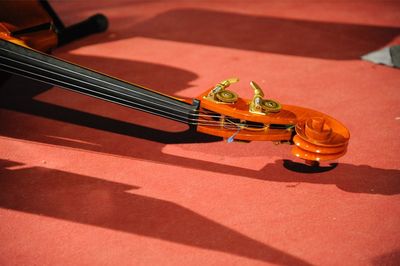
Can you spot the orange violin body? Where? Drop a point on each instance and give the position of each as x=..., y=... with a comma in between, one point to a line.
x=316, y=136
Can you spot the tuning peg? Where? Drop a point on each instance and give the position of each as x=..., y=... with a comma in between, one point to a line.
x=257, y=89
x=219, y=94
x=261, y=106
x=226, y=83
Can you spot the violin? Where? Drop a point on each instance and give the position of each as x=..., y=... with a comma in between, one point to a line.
x=30, y=30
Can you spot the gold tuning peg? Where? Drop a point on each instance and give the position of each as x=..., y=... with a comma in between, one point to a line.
x=261, y=106
x=257, y=90
x=219, y=94
x=226, y=83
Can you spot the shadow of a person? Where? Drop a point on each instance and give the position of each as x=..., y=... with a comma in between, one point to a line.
x=89, y=200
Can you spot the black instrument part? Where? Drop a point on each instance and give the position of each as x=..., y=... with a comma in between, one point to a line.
x=39, y=66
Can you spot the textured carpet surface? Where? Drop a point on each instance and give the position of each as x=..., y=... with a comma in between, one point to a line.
x=85, y=182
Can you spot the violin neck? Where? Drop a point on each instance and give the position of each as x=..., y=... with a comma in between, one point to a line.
x=30, y=63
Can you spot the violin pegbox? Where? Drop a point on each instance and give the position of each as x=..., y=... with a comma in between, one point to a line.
x=223, y=115
x=219, y=94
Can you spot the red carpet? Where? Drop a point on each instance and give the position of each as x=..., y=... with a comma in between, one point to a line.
x=85, y=182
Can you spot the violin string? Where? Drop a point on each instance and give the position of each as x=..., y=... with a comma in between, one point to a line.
x=121, y=93
x=87, y=76
x=232, y=125
x=208, y=122
x=112, y=84
x=184, y=119
x=88, y=90
x=105, y=88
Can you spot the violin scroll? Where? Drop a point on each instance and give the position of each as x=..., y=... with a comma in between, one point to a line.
x=320, y=139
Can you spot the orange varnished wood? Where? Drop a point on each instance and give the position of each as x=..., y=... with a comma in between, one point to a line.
x=19, y=15
x=307, y=146
x=319, y=137
x=264, y=135
x=311, y=156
